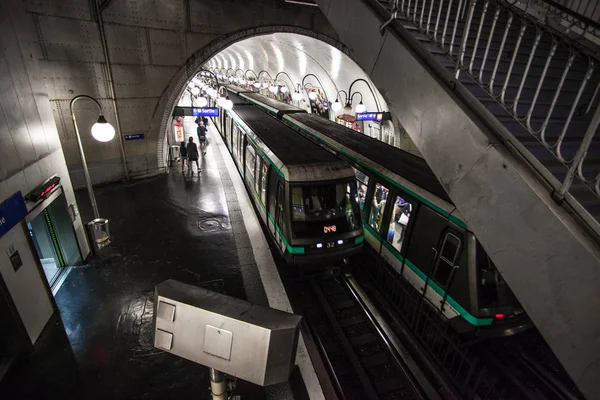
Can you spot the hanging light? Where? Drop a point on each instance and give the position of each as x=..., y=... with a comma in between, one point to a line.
x=191, y=84
x=102, y=131
x=227, y=104
x=273, y=89
x=231, y=79
x=242, y=81
x=257, y=84
x=296, y=96
x=336, y=106
x=265, y=85
x=360, y=108
x=284, y=89
x=201, y=101
x=195, y=90
x=312, y=95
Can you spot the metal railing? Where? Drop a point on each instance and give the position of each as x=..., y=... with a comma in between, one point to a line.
x=582, y=14
x=548, y=84
x=466, y=370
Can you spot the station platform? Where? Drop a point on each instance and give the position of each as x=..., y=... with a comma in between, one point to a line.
x=198, y=229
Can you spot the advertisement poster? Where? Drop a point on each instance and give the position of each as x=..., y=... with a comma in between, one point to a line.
x=320, y=105
x=179, y=136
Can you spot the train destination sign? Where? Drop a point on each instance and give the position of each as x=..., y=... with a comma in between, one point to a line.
x=205, y=111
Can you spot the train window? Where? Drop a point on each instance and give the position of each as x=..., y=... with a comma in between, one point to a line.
x=397, y=229
x=250, y=161
x=324, y=208
x=378, y=206
x=447, y=258
x=493, y=290
x=263, y=182
x=234, y=140
x=240, y=144
x=362, y=183
x=257, y=161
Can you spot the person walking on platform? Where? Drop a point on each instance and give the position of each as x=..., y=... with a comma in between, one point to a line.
x=183, y=155
x=192, y=153
x=202, y=137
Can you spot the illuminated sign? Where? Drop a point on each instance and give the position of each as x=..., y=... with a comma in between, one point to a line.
x=43, y=190
x=11, y=212
x=369, y=116
x=205, y=111
x=179, y=136
x=137, y=136
x=329, y=229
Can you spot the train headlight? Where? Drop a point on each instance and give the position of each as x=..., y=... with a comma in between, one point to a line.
x=319, y=245
x=340, y=241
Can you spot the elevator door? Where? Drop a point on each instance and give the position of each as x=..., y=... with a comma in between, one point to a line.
x=54, y=239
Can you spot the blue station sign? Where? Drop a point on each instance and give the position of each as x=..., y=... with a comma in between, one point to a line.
x=205, y=111
x=12, y=211
x=136, y=136
x=369, y=116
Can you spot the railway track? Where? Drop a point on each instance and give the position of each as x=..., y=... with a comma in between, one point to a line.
x=361, y=360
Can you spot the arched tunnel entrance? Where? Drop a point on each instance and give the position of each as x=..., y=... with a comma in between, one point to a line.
x=299, y=62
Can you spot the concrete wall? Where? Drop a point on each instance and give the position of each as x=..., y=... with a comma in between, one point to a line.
x=30, y=150
x=149, y=42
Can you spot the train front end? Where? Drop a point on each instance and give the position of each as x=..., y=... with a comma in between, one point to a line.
x=325, y=219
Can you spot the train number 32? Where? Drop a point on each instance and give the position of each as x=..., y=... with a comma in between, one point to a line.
x=329, y=229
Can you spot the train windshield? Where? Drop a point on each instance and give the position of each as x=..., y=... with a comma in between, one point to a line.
x=324, y=209
x=493, y=289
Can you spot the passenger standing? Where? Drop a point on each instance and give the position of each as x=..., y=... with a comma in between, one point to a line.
x=202, y=137
x=183, y=155
x=192, y=153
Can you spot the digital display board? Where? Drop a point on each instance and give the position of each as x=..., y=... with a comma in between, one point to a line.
x=205, y=111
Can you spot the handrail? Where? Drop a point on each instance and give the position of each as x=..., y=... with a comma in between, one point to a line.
x=529, y=51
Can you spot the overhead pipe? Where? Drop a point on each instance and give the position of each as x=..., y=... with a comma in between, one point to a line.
x=111, y=83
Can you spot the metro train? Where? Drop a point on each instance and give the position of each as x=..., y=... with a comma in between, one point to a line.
x=410, y=221
x=305, y=195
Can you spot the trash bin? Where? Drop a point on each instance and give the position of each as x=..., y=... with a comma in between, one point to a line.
x=98, y=233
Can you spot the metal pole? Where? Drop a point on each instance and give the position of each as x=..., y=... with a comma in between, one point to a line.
x=111, y=86
x=581, y=153
x=218, y=386
x=86, y=173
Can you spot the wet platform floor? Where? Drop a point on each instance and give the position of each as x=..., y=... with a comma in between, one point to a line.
x=100, y=345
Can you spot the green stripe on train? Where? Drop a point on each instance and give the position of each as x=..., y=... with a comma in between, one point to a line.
x=463, y=313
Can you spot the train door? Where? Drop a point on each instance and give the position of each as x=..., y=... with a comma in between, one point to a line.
x=395, y=227
x=279, y=213
x=272, y=202
x=434, y=248
x=378, y=201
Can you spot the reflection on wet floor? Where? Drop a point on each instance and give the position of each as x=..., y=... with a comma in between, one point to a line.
x=169, y=227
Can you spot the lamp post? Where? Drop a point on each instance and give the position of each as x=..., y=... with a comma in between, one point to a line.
x=103, y=132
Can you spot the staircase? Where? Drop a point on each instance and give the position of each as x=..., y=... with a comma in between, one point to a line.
x=542, y=87
x=505, y=110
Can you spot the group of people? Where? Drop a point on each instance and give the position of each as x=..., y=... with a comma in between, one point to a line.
x=189, y=152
